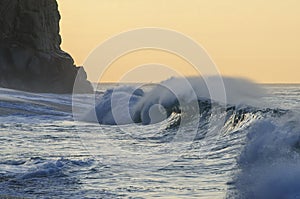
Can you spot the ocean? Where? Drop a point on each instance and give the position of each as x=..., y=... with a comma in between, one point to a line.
x=208, y=150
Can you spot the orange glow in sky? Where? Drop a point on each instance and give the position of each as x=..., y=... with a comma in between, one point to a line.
x=253, y=39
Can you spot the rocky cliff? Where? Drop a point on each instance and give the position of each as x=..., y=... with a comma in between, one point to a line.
x=30, y=55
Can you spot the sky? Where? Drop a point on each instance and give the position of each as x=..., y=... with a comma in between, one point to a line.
x=255, y=39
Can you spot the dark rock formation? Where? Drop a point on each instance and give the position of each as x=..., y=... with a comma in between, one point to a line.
x=30, y=54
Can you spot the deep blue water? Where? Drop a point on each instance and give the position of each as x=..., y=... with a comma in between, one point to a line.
x=237, y=151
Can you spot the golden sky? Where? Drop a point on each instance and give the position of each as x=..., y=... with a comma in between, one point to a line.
x=257, y=39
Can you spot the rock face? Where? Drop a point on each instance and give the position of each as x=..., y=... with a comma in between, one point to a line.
x=30, y=55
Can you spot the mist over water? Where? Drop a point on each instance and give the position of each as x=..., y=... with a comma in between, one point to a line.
x=173, y=140
x=130, y=104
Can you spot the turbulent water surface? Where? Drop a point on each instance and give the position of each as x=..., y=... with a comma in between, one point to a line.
x=219, y=151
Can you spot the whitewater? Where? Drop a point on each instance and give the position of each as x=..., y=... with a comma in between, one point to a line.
x=171, y=140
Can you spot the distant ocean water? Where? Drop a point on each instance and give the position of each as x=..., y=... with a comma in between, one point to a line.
x=242, y=151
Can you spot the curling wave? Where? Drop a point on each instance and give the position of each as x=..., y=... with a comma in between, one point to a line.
x=125, y=105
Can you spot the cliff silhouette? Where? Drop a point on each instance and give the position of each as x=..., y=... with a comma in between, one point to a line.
x=30, y=55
